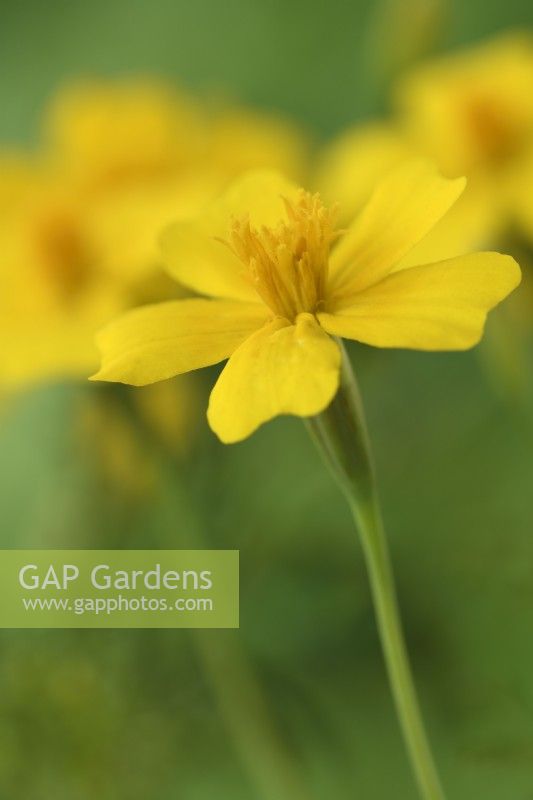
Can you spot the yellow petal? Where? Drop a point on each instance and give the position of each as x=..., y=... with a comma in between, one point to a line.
x=259, y=194
x=125, y=223
x=43, y=336
x=440, y=306
x=195, y=257
x=403, y=208
x=156, y=342
x=352, y=164
x=45, y=347
x=282, y=369
x=473, y=223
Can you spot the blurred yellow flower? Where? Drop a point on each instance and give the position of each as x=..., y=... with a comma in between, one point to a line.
x=472, y=114
x=79, y=223
x=283, y=286
x=123, y=132
x=54, y=297
x=113, y=132
x=132, y=149
x=472, y=111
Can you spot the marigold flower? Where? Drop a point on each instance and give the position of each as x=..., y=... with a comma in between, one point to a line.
x=113, y=132
x=472, y=111
x=284, y=281
x=54, y=296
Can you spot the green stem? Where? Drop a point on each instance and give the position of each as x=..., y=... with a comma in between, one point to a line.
x=341, y=435
x=275, y=774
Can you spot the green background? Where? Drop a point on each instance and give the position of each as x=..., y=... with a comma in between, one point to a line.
x=130, y=715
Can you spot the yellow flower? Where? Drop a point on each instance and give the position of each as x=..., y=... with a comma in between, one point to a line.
x=79, y=222
x=58, y=290
x=472, y=111
x=132, y=149
x=53, y=297
x=106, y=133
x=284, y=281
x=68, y=266
x=109, y=134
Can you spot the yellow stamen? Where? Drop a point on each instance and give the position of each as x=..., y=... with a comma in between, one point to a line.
x=288, y=264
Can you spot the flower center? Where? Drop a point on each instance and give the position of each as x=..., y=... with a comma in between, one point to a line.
x=62, y=252
x=495, y=132
x=288, y=264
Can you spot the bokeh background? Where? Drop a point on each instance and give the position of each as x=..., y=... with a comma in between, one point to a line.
x=295, y=705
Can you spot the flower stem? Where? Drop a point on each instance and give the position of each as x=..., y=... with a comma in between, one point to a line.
x=273, y=771
x=341, y=435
